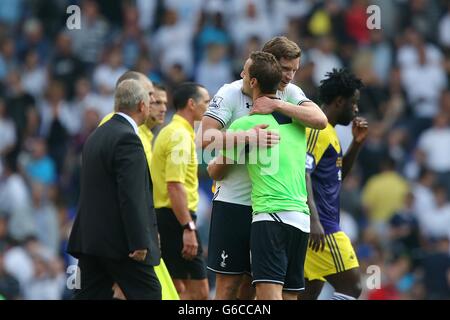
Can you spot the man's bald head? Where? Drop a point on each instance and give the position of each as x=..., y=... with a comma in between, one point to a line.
x=141, y=78
x=134, y=75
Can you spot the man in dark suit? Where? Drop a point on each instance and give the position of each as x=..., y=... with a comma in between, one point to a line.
x=115, y=235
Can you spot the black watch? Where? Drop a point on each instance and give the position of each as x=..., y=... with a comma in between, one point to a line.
x=190, y=226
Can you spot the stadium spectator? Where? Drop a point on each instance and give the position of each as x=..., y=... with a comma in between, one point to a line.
x=214, y=70
x=34, y=78
x=45, y=218
x=171, y=44
x=131, y=39
x=18, y=104
x=9, y=286
x=423, y=193
x=433, y=147
x=252, y=21
x=88, y=42
x=444, y=24
x=356, y=21
x=48, y=280
x=436, y=222
x=11, y=12
x=64, y=65
x=417, y=58
x=436, y=268
x=8, y=130
x=34, y=39
x=384, y=194
x=15, y=200
x=324, y=58
x=8, y=57
x=404, y=232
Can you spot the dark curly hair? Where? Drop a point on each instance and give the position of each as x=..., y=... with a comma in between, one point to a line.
x=338, y=83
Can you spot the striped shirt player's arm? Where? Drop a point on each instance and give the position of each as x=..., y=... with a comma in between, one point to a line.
x=295, y=95
x=220, y=108
x=218, y=116
x=230, y=154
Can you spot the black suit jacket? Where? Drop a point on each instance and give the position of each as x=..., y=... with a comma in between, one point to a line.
x=115, y=214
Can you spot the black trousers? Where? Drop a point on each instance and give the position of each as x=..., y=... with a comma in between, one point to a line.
x=97, y=276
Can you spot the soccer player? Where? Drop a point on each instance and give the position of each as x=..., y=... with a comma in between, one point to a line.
x=175, y=192
x=231, y=217
x=158, y=110
x=280, y=225
x=330, y=256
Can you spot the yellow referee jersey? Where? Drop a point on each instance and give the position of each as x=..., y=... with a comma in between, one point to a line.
x=175, y=160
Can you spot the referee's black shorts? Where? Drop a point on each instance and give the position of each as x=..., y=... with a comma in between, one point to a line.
x=171, y=237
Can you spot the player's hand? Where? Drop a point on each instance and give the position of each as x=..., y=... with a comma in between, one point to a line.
x=316, y=236
x=261, y=137
x=138, y=255
x=264, y=105
x=190, y=245
x=360, y=129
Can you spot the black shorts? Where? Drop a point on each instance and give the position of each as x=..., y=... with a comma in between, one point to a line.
x=171, y=237
x=278, y=254
x=229, y=238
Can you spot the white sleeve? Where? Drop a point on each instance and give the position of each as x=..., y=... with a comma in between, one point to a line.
x=221, y=107
x=295, y=95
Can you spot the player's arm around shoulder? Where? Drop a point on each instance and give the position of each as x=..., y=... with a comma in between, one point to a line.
x=309, y=114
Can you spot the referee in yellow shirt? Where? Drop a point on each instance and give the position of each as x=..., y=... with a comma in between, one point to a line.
x=175, y=193
x=157, y=115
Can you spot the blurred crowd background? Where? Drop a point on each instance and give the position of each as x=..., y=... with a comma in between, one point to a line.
x=56, y=84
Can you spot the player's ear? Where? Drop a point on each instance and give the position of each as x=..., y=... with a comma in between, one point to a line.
x=253, y=83
x=141, y=106
x=339, y=101
x=191, y=104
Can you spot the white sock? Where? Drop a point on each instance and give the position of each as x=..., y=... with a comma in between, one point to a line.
x=341, y=296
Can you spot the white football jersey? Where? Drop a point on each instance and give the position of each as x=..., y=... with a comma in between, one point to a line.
x=229, y=104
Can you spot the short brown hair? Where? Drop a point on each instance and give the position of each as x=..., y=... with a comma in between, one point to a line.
x=266, y=69
x=282, y=47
